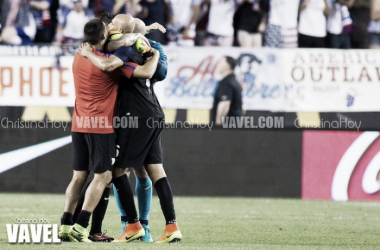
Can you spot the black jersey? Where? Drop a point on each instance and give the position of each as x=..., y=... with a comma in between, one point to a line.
x=228, y=89
x=136, y=97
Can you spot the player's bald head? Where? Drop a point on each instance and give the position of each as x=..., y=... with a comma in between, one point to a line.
x=139, y=26
x=127, y=24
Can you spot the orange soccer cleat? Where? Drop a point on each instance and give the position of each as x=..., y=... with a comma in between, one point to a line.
x=171, y=234
x=131, y=232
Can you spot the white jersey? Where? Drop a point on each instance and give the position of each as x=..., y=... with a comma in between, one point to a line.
x=74, y=24
x=283, y=13
x=312, y=21
x=221, y=18
x=334, y=20
x=182, y=11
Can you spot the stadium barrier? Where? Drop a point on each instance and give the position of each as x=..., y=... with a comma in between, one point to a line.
x=199, y=162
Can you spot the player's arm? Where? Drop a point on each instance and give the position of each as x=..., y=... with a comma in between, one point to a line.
x=225, y=95
x=222, y=111
x=155, y=26
x=147, y=70
x=111, y=63
x=162, y=66
x=107, y=64
x=125, y=41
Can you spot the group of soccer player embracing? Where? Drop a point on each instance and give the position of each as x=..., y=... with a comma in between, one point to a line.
x=108, y=85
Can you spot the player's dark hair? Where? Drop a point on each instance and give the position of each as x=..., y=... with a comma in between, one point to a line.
x=107, y=17
x=94, y=31
x=231, y=62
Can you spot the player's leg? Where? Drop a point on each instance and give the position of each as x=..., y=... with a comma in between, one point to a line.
x=123, y=215
x=101, y=151
x=97, y=216
x=96, y=233
x=93, y=194
x=71, y=198
x=80, y=161
x=144, y=193
x=153, y=166
x=80, y=202
x=133, y=230
x=161, y=183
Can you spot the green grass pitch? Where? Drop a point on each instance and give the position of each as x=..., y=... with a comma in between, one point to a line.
x=222, y=223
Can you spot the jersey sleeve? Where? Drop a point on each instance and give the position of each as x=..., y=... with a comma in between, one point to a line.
x=162, y=67
x=225, y=92
x=123, y=54
x=128, y=69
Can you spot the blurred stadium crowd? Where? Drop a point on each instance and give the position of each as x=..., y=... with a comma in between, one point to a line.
x=246, y=23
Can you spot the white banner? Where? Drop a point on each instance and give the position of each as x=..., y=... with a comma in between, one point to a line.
x=332, y=80
x=36, y=81
x=293, y=80
x=192, y=79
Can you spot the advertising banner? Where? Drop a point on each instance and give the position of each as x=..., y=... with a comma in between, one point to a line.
x=294, y=80
x=341, y=165
x=36, y=81
x=325, y=80
x=192, y=78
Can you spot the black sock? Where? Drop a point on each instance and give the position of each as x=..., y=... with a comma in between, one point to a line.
x=83, y=218
x=67, y=219
x=99, y=212
x=145, y=222
x=164, y=192
x=124, y=189
x=80, y=201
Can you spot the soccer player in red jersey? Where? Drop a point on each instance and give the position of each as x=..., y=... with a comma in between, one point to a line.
x=93, y=136
x=141, y=148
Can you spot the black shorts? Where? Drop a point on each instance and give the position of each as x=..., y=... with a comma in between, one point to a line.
x=95, y=152
x=140, y=146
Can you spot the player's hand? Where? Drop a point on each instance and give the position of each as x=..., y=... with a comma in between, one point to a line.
x=155, y=52
x=85, y=49
x=156, y=26
x=145, y=40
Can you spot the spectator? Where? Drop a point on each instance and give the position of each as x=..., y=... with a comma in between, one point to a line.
x=374, y=25
x=219, y=28
x=228, y=94
x=100, y=6
x=54, y=6
x=248, y=23
x=282, y=24
x=73, y=15
x=130, y=7
x=41, y=13
x=201, y=23
x=18, y=25
x=359, y=13
x=156, y=11
x=312, y=23
x=185, y=14
x=339, y=24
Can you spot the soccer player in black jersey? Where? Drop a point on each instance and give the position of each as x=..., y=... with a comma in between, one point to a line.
x=141, y=147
